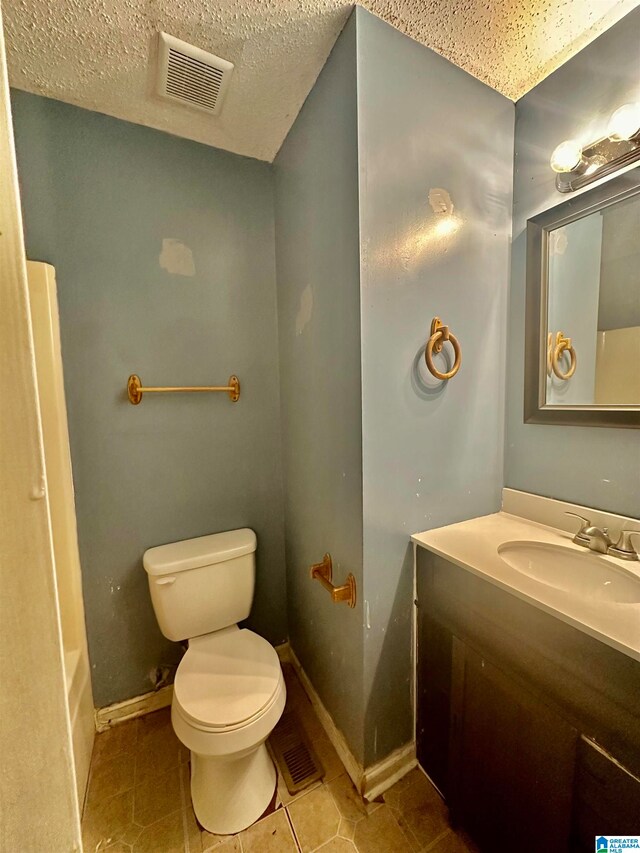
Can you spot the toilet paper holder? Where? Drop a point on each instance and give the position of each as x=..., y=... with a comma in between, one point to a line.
x=323, y=572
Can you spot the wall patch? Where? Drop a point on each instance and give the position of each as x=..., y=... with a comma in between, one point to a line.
x=177, y=258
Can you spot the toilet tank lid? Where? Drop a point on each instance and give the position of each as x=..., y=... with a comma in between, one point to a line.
x=203, y=551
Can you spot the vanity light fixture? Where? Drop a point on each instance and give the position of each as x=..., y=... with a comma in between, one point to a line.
x=567, y=157
x=577, y=165
x=624, y=124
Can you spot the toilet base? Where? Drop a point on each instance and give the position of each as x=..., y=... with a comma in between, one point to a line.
x=230, y=793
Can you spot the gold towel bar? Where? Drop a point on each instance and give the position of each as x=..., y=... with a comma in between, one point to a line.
x=323, y=572
x=439, y=334
x=135, y=389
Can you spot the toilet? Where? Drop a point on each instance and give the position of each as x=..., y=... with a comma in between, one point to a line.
x=229, y=690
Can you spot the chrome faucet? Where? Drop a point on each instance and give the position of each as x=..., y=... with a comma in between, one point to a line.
x=597, y=539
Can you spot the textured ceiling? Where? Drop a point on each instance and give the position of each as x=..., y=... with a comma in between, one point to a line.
x=95, y=53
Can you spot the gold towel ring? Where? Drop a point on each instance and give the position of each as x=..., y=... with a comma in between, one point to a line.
x=563, y=345
x=439, y=334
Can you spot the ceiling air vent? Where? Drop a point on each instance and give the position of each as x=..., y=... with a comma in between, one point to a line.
x=192, y=76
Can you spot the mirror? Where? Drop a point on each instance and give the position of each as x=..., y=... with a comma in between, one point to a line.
x=583, y=309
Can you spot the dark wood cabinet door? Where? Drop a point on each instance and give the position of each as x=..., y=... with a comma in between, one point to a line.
x=606, y=799
x=511, y=762
x=434, y=699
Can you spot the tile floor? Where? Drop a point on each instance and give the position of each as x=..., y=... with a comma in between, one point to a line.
x=138, y=801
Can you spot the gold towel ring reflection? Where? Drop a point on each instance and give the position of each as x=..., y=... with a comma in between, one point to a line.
x=439, y=334
x=563, y=345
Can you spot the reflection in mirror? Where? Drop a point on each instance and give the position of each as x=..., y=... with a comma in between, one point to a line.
x=593, y=309
x=582, y=334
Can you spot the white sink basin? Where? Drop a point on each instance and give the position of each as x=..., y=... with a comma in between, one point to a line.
x=597, y=594
x=588, y=576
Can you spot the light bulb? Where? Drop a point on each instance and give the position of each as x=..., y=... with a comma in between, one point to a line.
x=624, y=123
x=567, y=156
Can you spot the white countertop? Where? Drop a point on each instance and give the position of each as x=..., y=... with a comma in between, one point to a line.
x=473, y=545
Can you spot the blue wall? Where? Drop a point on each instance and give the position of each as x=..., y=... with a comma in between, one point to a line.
x=317, y=250
x=99, y=197
x=432, y=451
x=586, y=465
x=374, y=449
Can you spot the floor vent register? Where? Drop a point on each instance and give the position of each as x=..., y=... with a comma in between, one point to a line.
x=294, y=755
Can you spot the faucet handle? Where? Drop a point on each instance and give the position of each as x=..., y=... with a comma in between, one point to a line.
x=624, y=547
x=586, y=522
x=581, y=537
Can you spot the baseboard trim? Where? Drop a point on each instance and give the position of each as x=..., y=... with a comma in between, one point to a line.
x=132, y=708
x=381, y=776
x=352, y=765
x=372, y=781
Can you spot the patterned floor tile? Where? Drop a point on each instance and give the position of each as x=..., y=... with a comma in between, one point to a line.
x=380, y=833
x=419, y=810
x=315, y=819
x=116, y=740
x=106, y=821
x=347, y=829
x=350, y=803
x=157, y=797
x=337, y=845
x=111, y=776
x=270, y=835
x=164, y=836
x=139, y=801
x=453, y=842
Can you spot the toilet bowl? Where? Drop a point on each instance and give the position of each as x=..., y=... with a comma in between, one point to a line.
x=229, y=690
x=228, y=695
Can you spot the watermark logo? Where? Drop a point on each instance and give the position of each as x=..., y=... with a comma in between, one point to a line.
x=617, y=843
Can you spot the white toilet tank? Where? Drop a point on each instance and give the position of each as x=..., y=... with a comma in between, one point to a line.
x=202, y=585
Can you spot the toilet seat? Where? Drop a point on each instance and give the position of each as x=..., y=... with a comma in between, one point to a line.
x=227, y=680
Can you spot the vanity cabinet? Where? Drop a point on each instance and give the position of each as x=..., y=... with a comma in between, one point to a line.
x=434, y=699
x=511, y=760
x=529, y=727
x=606, y=800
